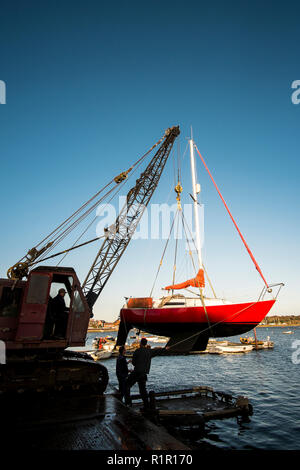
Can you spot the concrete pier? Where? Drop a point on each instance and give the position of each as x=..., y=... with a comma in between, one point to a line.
x=81, y=423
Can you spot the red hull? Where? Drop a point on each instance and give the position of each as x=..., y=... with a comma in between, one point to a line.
x=187, y=322
x=251, y=312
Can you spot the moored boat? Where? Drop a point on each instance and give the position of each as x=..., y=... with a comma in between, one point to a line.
x=102, y=348
x=267, y=344
x=229, y=349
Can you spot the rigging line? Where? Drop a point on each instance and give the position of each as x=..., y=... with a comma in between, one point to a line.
x=187, y=145
x=76, y=222
x=93, y=220
x=174, y=166
x=188, y=242
x=209, y=281
x=150, y=174
x=76, y=212
x=93, y=197
x=80, y=236
x=200, y=289
x=178, y=160
x=88, y=211
x=164, y=251
x=175, y=256
x=53, y=244
x=234, y=222
x=66, y=251
x=66, y=232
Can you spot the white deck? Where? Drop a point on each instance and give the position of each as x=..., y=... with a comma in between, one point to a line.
x=182, y=301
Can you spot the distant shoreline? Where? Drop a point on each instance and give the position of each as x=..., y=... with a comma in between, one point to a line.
x=279, y=326
x=101, y=330
x=110, y=330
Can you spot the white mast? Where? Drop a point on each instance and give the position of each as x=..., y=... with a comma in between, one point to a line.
x=196, y=191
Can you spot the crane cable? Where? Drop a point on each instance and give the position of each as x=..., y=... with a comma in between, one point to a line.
x=118, y=179
x=93, y=220
x=164, y=252
x=19, y=269
x=67, y=250
x=135, y=166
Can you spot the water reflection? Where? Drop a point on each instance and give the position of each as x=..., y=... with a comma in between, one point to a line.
x=267, y=377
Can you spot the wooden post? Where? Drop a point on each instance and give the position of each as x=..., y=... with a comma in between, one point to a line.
x=255, y=338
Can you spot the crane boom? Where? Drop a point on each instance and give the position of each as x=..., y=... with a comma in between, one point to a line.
x=120, y=234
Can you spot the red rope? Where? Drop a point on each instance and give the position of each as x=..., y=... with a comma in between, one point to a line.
x=243, y=240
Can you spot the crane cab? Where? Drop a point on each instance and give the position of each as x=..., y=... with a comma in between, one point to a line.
x=28, y=319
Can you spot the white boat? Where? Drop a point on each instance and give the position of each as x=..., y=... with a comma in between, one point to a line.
x=104, y=353
x=258, y=344
x=265, y=345
x=229, y=349
x=288, y=332
x=102, y=348
x=156, y=339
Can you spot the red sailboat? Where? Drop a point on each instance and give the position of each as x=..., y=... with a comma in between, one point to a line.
x=189, y=321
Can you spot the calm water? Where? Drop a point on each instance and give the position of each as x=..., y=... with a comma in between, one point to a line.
x=269, y=378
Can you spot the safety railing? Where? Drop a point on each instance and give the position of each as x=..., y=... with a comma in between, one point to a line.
x=269, y=290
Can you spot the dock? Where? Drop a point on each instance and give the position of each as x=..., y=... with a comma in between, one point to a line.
x=103, y=422
x=80, y=423
x=194, y=406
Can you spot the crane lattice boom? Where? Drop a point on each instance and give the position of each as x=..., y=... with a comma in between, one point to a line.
x=119, y=235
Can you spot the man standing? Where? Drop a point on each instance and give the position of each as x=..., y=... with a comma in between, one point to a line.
x=141, y=360
x=122, y=371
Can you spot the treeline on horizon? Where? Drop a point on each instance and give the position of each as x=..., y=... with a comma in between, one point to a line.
x=291, y=319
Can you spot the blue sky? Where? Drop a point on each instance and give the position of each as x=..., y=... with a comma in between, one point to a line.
x=91, y=85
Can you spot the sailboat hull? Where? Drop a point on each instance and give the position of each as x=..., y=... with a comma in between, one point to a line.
x=189, y=328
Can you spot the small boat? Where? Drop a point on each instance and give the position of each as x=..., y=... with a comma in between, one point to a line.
x=133, y=346
x=102, y=348
x=103, y=354
x=288, y=332
x=156, y=339
x=229, y=349
x=258, y=344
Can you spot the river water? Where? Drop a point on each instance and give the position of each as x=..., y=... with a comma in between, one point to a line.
x=269, y=378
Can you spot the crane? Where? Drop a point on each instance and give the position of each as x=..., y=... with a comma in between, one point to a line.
x=28, y=318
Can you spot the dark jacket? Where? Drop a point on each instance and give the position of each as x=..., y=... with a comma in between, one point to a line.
x=141, y=359
x=58, y=304
x=121, y=367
